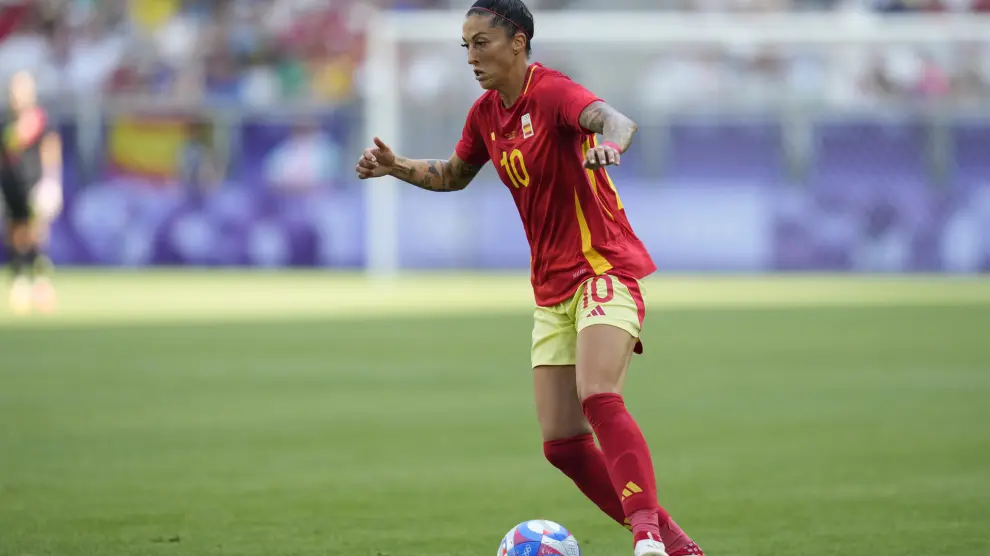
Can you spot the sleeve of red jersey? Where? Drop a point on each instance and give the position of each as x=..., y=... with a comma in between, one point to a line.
x=471, y=148
x=569, y=99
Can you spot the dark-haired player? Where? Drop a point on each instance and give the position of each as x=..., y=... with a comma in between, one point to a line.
x=539, y=129
x=30, y=178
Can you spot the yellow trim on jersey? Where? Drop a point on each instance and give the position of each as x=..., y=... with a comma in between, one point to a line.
x=598, y=263
x=618, y=200
x=591, y=174
x=608, y=178
x=529, y=79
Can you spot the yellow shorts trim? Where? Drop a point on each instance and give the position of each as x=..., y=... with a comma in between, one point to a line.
x=604, y=299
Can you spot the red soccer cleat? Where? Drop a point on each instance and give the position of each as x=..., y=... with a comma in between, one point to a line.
x=690, y=550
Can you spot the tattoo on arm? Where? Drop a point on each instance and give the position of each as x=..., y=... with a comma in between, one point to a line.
x=612, y=124
x=435, y=175
x=461, y=172
x=593, y=117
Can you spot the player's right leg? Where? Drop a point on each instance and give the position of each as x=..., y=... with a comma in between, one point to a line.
x=568, y=440
x=608, y=319
x=20, y=285
x=19, y=240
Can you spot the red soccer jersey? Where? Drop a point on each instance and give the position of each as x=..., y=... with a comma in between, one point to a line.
x=573, y=217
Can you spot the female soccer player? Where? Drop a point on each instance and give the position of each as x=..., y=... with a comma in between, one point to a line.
x=540, y=128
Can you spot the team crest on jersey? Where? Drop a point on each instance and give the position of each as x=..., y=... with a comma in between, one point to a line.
x=527, y=125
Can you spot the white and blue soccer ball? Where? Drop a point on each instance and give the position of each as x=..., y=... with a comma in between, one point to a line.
x=539, y=537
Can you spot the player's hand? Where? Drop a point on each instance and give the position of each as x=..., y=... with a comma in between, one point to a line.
x=376, y=161
x=602, y=155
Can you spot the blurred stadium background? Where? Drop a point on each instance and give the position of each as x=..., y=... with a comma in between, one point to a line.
x=224, y=133
x=798, y=402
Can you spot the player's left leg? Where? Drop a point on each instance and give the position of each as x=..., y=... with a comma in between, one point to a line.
x=46, y=202
x=19, y=242
x=41, y=269
x=609, y=323
x=568, y=441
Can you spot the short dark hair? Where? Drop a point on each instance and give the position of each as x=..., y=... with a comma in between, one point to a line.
x=511, y=15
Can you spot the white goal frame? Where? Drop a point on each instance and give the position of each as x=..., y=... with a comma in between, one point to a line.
x=385, y=31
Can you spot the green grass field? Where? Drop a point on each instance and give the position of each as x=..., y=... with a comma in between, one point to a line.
x=311, y=414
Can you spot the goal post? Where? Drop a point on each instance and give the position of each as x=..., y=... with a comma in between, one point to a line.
x=381, y=118
x=389, y=33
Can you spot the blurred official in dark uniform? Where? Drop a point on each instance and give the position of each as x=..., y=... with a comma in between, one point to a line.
x=31, y=181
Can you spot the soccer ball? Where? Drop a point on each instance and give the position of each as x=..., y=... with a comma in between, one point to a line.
x=539, y=537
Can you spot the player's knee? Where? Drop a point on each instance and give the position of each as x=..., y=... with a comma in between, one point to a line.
x=594, y=386
x=603, y=375
x=39, y=232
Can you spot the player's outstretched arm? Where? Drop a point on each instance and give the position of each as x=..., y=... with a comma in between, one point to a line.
x=436, y=175
x=616, y=129
x=433, y=175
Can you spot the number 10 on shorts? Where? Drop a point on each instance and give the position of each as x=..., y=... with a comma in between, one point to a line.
x=600, y=289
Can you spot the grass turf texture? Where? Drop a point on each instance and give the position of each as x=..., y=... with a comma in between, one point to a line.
x=303, y=414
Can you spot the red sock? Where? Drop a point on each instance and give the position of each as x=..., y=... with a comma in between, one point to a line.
x=582, y=461
x=627, y=456
x=676, y=540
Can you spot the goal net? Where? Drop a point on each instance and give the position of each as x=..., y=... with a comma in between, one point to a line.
x=766, y=142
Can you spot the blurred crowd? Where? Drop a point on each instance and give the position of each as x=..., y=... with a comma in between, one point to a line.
x=250, y=51
x=259, y=52
x=788, y=5
x=187, y=163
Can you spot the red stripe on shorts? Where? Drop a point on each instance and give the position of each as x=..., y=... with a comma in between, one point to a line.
x=637, y=295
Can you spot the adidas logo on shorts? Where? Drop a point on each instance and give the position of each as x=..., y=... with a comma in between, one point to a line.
x=597, y=312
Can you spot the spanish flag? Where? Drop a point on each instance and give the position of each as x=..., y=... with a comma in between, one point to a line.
x=146, y=147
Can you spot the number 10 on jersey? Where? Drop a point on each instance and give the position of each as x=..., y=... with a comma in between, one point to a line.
x=515, y=167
